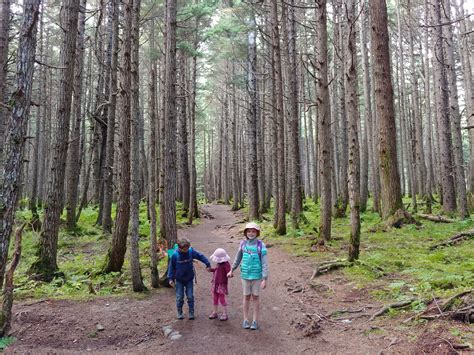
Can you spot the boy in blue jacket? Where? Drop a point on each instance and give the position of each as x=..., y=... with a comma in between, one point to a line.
x=181, y=274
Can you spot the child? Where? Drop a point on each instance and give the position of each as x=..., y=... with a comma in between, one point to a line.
x=181, y=274
x=254, y=271
x=219, y=282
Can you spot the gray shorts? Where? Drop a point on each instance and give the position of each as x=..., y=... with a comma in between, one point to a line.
x=251, y=287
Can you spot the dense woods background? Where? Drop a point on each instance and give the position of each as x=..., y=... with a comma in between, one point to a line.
x=140, y=110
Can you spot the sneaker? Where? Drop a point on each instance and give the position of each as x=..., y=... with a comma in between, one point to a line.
x=180, y=315
x=246, y=324
x=223, y=317
x=254, y=325
x=191, y=314
x=213, y=315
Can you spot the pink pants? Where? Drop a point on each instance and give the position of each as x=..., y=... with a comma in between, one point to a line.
x=219, y=297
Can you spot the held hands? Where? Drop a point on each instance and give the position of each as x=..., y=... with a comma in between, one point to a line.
x=210, y=269
x=230, y=274
x=263, y=284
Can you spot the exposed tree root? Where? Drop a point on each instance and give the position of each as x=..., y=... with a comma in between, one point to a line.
x=433, y=218
x=454, y=239
x=328, y=266
x=325, y=267
x=400, y=218
x=386, y=308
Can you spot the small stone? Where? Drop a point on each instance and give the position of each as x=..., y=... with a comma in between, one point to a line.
x=99, y=327
x=346, y=321
x=168, y=331
x=275, y=308
x=176, y=337
x=107, y=304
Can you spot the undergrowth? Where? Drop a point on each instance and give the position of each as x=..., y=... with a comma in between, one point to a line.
x=410, y=269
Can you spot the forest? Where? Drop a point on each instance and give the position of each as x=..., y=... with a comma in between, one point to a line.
x=344, y=128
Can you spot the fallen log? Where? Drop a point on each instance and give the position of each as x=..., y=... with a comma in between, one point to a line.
x=328, y=266
x=456, y=239
x=435, y=218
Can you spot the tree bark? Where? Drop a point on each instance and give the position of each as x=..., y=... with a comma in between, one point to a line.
x=16, y=128
x=252, y=169
x=135, y=172
x=74, y=160
x=324, y=118
x=4, y=42
x=168, y=204
x=118, y=247
x=387, y=149
x=110, y=148
x=46, y=264
x=280, y=197
x=352, y=111
x=444, y=128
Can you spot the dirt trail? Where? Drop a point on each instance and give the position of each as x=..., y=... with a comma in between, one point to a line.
x=294, y=316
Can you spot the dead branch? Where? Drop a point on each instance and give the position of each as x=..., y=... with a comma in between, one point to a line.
x=386, y=308
x=454, y=239
x=6, y=314
x=438, y=219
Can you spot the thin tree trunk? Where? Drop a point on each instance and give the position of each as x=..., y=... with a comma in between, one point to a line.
x=135, y=179
x=110, y=149
x=74, y=160
x=352, y=110
x=155, y=277
x=324, y=117
x=280, y=124
x=251, y=168
x=116, y=254
x=4, y=42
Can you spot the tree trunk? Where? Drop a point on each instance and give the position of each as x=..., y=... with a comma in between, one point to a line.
x=4, y=41
x=74, y=160
x=118, y=247
x=390, y=178
x=168, y=204
x=444, y=128
x=324, y=118
x=251, y=168
x=135, y=172
x=454, y=114
x=110, y=149
x=16, y=128
x=280, y=196
x=352, y=110
x=46, y=264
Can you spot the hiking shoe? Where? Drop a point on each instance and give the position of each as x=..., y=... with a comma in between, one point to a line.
x=191, y=314
x=213, y=315
x=254, y=325
x=180, y=315
x=223, y=317
x=246, y=324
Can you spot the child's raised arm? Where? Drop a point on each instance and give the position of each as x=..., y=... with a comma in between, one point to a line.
x=197, y=255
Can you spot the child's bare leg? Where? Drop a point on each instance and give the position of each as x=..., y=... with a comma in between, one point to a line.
x=246, y=306
x=256, y=307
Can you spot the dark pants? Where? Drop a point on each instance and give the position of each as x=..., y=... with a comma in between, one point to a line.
x=181, y=289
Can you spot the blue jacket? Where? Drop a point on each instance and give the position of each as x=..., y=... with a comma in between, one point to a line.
x=181, y=265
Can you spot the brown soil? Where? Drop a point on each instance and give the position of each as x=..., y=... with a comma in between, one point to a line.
x=297, y=314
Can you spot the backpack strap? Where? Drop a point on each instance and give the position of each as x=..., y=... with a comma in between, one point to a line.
x=243, y=244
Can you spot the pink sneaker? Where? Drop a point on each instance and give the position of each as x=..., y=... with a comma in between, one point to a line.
x=223, y=317
x=213, y=315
